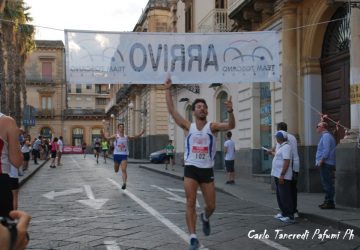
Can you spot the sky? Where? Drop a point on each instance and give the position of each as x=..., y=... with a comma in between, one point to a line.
x=104, y=15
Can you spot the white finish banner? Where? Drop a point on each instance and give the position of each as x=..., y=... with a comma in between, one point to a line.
x=128, y=57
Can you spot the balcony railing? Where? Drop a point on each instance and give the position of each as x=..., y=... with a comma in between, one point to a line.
x=39, y=81
x=216, y=21
x=45, y=113
x=84, y=113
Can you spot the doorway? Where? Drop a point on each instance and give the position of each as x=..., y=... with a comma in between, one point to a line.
x=335, y=70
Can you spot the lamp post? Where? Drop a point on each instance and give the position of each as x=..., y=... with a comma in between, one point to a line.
x=142, y=111
x=141, y=143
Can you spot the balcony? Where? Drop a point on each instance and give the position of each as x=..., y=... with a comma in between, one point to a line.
x=45, y=114
x=38, y=81
x=84, y=114
x=216, y=20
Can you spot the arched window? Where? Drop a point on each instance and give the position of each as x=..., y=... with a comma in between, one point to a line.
x=77, y=136
x=265, y=125
x=188, y=112
x=222, y=98
x=95, y=134
x=46, y=133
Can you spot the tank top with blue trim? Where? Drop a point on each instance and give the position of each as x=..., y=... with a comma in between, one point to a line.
x=121, y=145
x=200, y=148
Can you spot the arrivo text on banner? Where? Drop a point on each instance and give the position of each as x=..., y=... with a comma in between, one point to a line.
x=146, y=58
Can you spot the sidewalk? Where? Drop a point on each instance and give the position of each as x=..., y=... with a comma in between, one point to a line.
x=341, y=218
x=32, y=169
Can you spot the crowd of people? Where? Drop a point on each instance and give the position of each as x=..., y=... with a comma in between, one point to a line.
x=199, y=159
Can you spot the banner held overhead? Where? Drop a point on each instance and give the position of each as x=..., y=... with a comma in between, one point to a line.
x=128, y=57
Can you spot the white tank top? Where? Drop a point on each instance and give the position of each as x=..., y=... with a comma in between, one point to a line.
x=121, y=145
x=200, y=147
x=4, y=155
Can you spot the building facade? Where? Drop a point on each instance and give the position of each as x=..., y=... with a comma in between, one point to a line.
x=143, y=106
x=54, y=108
x=319, y=75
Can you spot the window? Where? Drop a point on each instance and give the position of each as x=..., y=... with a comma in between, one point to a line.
x=220, y=4
x=95, y=134
x=78, y=88
x=223, y=111
x=188, y=19
x=46, y=103
x=46, y=133
x=47, y=71
x=188, y=112
x=88, y=86
x=101, y=101
x=77, y=136
x=265, y=125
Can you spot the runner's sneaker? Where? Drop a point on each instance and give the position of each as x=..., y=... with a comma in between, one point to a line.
x=287, y=220
x=278, y=216
x=194, y=244
x=123, y=187
x=205, y=224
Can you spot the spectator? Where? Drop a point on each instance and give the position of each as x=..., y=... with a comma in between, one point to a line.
x=283, y=175
x=54, y=151
x=170, y=151
x=36, y=149
x=325, y=160
x=25, y=150
x=60, y=150
x=295, y=164
x=229, y=150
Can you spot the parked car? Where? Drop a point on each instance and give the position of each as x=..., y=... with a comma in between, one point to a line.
x=158, y=156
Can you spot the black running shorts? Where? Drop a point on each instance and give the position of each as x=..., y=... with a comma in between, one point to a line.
x=6, y=197
x=201, y=175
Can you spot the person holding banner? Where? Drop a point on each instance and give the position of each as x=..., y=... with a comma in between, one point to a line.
x=200, y=150
x=121, y=150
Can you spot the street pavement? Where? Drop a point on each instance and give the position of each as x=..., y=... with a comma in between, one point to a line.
x=257, y=192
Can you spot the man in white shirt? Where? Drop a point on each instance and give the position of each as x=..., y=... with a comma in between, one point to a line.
x=61, y=148
x=295, y=164
x=229, y=150
x=282, y=173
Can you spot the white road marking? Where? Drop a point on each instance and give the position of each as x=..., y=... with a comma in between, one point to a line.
x=155, y=213
x=273, y=244
x=92, y=202
x=174, y=197
x=52, y=194
x=111, y=245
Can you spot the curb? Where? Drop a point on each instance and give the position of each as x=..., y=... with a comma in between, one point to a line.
x=311, y=217
x=330, y=222
x=27, y=177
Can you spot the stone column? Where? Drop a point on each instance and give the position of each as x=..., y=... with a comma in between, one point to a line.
x=289, y=68
x=347, y=178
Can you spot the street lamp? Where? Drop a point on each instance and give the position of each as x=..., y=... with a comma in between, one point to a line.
x=142, y=111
